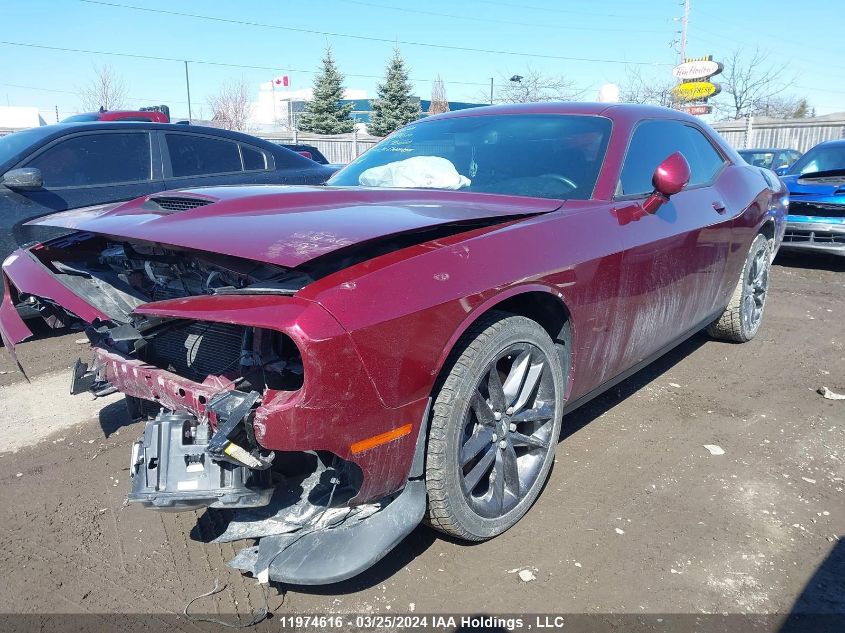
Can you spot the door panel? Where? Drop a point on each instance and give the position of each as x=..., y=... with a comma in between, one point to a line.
x=80, y=170
x=672, y=271
x=673, y=266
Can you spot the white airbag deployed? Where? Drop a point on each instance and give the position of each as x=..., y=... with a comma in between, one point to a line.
x=429, y=172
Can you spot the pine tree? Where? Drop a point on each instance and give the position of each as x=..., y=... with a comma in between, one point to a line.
x=394, y=107
x=324, y=114
x=439, y=103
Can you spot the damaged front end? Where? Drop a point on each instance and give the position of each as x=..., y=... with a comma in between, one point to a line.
x=208, y=351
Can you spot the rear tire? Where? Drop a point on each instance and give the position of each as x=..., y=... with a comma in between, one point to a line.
x=741, y=320
x=495, y=425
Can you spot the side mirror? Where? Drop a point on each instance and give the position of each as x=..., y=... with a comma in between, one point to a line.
x=781, y=171
x=306, y=153
x=24, y=178
x=669, y=178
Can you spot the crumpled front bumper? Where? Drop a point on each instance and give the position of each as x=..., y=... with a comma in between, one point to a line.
x=338, y=409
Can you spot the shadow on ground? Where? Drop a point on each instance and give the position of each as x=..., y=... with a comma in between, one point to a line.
x=821, y=605
x=582, y=416
x=113, y=417
x=811, y=261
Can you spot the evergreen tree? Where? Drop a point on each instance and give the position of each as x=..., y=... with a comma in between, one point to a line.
x=324, y=114
x=394, y=107
x=439, y=102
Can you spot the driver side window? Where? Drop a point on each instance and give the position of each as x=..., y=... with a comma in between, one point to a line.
x=655, y=140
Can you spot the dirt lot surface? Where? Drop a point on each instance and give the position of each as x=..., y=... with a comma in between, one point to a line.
x=638, y=515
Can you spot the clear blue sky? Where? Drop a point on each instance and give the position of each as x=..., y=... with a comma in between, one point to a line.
x=807, y=38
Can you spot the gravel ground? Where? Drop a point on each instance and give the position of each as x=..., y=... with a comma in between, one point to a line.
x=638, y=516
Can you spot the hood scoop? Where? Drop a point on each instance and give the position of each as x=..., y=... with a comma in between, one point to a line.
x=174, y=204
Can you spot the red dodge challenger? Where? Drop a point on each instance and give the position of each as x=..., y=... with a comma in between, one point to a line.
x=337, y=364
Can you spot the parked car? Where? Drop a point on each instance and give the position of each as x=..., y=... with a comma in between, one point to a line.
x=153, y=114
x=770, y=158
x=309, y=151
x=816, y=184
x=351, y=360
x=67, y=166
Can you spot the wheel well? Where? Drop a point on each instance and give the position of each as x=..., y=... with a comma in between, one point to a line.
x=544, y=308
x=552, y=315
x=768, y=229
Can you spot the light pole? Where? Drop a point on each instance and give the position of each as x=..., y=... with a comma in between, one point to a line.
x=188, y=86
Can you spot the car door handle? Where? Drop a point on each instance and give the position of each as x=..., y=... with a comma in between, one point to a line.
x=719, y=206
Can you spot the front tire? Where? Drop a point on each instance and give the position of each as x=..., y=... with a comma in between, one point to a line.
x=495, y=424
x=741, y=320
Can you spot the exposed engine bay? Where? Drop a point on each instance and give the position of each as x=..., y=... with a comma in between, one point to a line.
x=198, y=385
x=117, y=276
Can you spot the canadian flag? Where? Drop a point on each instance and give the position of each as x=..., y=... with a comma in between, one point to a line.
x=282, y=81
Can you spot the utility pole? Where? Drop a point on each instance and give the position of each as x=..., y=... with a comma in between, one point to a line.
x=684, y=30
x=188, y=86
x=57, y=114
x=491, y=91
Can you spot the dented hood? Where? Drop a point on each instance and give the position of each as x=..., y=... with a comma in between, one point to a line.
x=288, y=226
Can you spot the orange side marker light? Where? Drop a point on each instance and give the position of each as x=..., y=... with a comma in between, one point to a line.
x=382, y=438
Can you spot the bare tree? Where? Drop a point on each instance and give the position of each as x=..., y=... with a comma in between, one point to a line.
x=748, y=81
x=638, y=89
x=533, y=85
x=231, y=107
x=439, y=103
x=106, y=90
x=785, y=107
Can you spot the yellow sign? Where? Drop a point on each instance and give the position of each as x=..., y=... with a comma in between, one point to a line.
x=695, y=90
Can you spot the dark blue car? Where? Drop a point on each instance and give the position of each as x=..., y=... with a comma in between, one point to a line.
x=816, y=183
x=67, y=166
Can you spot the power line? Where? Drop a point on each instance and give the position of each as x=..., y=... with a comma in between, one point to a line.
x=567, y=11
x=72, y=92
x=372, y=38
x=473, y=18
x=212, y=63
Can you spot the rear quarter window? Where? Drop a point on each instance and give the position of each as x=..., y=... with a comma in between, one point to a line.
x=254, y=159
x=194, y=155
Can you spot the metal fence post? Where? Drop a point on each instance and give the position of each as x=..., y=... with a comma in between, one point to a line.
x=749, y=130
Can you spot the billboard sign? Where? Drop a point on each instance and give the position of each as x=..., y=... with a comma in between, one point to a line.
x=697, y=110
x=695, y=90
x=697, y=69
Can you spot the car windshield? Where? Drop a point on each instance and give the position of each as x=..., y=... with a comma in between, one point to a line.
x=820, y=158
x=16, y=143
x=759, y=159
x=546, y=156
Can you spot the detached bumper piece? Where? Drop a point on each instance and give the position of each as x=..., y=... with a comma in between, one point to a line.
x=83, y=379
x=334, y=549
x=171, y=469
x=304, y=540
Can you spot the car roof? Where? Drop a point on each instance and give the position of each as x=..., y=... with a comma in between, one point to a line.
x=618, y=111
x=834, y=143
x=766, y=149
x=59, y=129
